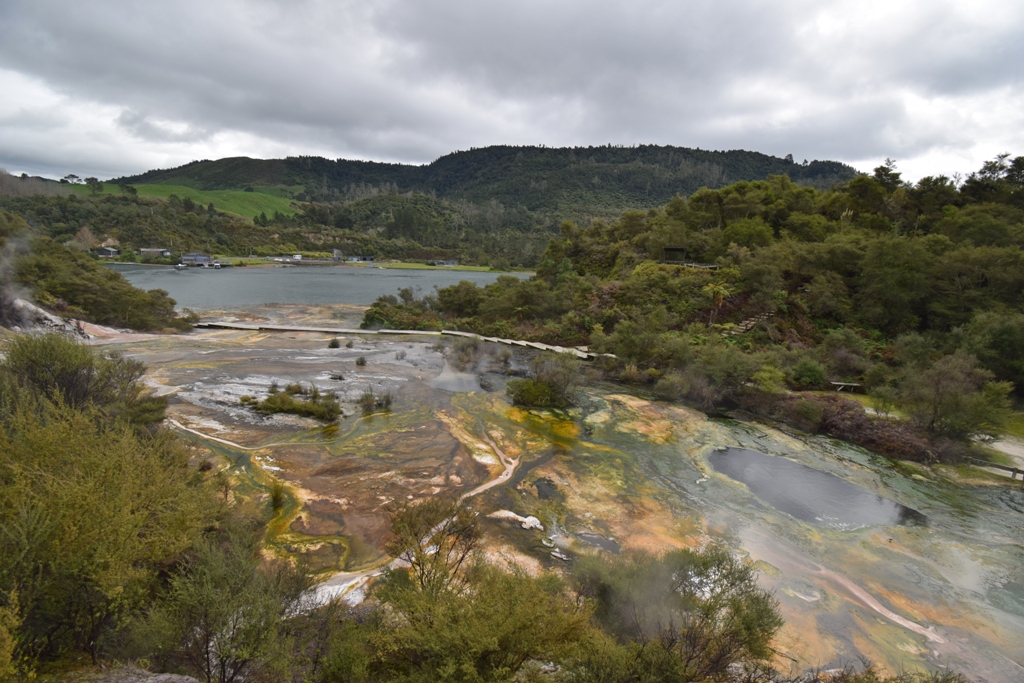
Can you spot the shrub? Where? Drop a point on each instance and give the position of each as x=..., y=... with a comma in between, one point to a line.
x=804, y=414
x=954, y=398
x=62, y=370
x=361, y=361
x=554, y=383
x=465, y=352
x=686, y=616
x=371, y=401
x=334, y=343
x=808, y=374
x=319, y=406
x=672, y=387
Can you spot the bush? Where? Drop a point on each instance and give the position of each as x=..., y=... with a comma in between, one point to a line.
x=954, y=398
x=62, y=370
x=361, y=361
x=686, y=616
x=372, y=401
x=319, y=406
x=334, y=343
x=804, y=414
x=808, y=374
x=672, y=387
x=554, y=383
x=465, y=352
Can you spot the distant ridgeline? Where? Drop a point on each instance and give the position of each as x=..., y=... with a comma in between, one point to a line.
x=494, y=206
x=560, y=182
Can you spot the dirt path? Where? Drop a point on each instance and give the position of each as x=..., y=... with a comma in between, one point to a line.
x=1011, y=446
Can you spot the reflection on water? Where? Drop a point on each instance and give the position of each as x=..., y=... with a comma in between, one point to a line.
x=809, y=494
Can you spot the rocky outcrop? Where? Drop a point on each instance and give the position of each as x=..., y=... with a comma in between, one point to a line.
x=24, y=316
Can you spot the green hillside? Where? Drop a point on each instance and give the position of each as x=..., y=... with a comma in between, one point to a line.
x=239, y=202
x=551, y=183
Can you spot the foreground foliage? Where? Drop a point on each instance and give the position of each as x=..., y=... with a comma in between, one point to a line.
x=93, y=506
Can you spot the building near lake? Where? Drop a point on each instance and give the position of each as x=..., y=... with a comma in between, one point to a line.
x=108, y=252
x=196, y=258
x=155, y=253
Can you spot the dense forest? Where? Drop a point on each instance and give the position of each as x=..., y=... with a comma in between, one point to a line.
x=912, y=292
x=585, y=179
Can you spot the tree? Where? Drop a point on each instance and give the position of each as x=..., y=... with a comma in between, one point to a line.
x=887, y=176
x=717, y=293
x=955, y=398
x=129, y=191
x=95, y=186
x=683, y=617
x=997, y=341
x=224, y=616
x=435, y=538
x=498, y=621
x=450, y=617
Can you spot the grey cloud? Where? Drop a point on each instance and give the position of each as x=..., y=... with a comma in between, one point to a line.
x=409, y=80
x=139, y=125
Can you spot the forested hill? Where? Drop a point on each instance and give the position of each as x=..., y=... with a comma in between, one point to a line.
x=567, y=182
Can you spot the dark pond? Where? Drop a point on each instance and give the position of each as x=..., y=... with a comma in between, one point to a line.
x=809, y=494
x=546, y=490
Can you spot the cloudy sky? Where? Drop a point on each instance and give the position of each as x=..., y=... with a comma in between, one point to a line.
x=108, y=88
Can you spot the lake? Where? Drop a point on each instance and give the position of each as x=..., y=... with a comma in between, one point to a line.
x=231, y=288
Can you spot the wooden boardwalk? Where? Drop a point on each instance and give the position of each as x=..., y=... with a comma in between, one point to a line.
x=1014, y=471
x=572, y=351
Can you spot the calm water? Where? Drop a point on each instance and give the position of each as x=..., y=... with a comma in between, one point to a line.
x=809, y=494
x=206, y=289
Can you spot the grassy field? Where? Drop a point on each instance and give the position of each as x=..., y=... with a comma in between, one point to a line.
x=248, y=204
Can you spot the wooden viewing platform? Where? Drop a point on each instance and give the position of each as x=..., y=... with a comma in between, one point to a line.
x=261, y=327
